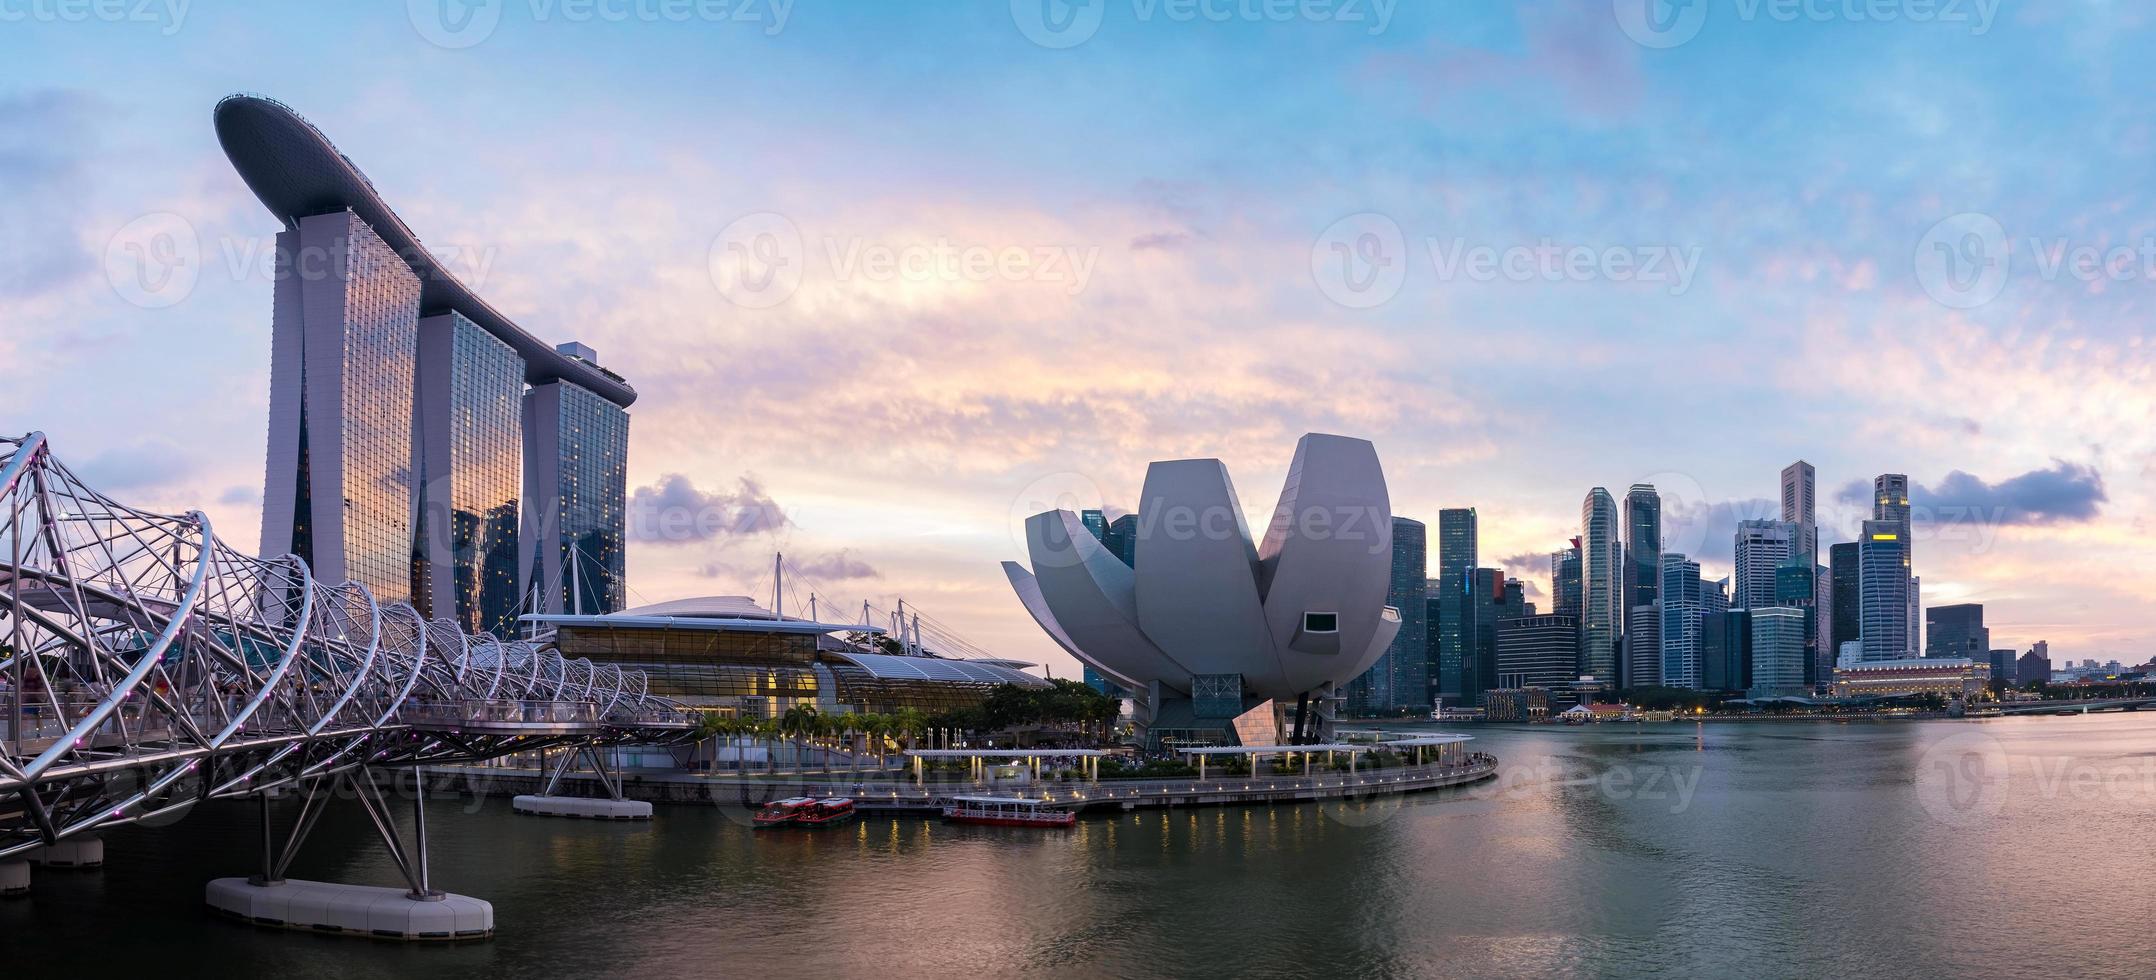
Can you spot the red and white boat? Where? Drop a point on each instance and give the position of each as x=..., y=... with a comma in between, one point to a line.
x=825, y=813
x=779, y=813
x=1008, y=811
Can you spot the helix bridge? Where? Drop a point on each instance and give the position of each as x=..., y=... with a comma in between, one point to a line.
x=146, y=667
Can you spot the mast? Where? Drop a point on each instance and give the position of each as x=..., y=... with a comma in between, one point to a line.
x=576, y=580
x=778, y=574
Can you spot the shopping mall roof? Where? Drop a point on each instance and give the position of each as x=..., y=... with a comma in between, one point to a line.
x=736, y=613
x=886, y=666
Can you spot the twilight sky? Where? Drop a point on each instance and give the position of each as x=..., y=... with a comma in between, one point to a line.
x=1020, y=249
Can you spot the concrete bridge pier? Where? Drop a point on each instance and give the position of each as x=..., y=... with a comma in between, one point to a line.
x=420, y=912
x=86, y=851
x=613, y=807
x=14, y=877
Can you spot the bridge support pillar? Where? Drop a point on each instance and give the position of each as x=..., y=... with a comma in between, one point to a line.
x=14, y=877
x=74, y=852
x=614, y=807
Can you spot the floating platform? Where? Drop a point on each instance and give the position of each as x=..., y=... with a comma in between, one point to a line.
x=74, y=852
x=582, y=807
x=14, y=877
x=352, y=910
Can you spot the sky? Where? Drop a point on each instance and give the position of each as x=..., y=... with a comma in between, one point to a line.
x=888, y=277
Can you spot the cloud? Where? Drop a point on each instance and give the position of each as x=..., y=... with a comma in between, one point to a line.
x=2063, y=493
x=240, y=495
x=674, y=511
x=836, y=566
x=41, y=136
x=142, y=465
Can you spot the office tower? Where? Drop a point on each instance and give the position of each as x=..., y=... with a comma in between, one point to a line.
x=1714, y=669
x=1643, y=579
x=1410, y=650
x=576, y=450
x=1890, y=504
x=1683, y=603
x=1122, y=538
x=1456, y=556
x=1800, y=506
x=1095, y=522
x=1957, y=631
x=1485, y=608
x=344, y=342
x=1846, y=610
x=1565, y=581
x=1601, y=587
x=1777, y=652
x=1736, y=666
x=470, y=408
x=1516, y=604
x=1538, y=651
x=2035, y=665
x=1915, y=616
x=1762, y=547
x=1883, y=591
x=1796, y=585
x=2002, y=665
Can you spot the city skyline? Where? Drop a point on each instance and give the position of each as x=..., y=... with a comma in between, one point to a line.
x=935, y=420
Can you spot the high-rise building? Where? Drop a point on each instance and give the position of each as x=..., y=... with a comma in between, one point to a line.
x=1565, y=581
x=1800, y=506
x=1409, y=654
x=1762, y=547
x=1883, y=590
x=1777, y=652
x=470, y=411
x=1890, y=504
x=1796, y=585
x=1846, y=608
x=1601, y=587
x=1957, y=631
x=1456, y=557
x=2002, y=665
x=344, y=348
x=1643, y=579
x=1538, y=651
x=1683, y=602
x=1122, y=539
x=2035, y=665
x=398, y=406
x=1095, y=522
x=576, y=452
x=1491, y=600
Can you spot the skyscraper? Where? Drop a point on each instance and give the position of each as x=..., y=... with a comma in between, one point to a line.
x=1565, y=581
x=1846, y=609
x=1683, y=603
x=1096, y=522
x=1601, y=587
x=1122, y=539
x=470, y=408
x=1643, y=580
x=1456, y=557
x=1890, y=504
x=576, y=450
x=1957, y=631
x=1762, y=547
x=1800, y=505
x=1883, y=590
x=1777, y=652
x=344, y=343
x=1796, y=586
x=1409, y=654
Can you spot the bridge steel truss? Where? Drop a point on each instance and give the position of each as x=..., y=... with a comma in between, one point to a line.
x=146, y=667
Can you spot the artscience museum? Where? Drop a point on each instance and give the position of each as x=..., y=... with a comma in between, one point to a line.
x=1223, y=638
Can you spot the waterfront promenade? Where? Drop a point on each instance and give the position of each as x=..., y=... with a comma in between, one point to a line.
x=891, y=789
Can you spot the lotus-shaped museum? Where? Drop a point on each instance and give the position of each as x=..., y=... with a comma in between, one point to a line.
x=1219, y=638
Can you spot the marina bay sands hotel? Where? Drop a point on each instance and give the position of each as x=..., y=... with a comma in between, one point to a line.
x=420, y=442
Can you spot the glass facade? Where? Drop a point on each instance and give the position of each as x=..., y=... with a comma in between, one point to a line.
x=381, y=319
x=471, y=392
x=1456, y=556
x=1601, y=587
x=580, y=448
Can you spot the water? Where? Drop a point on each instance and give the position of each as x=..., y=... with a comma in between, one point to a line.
x=1769, y=849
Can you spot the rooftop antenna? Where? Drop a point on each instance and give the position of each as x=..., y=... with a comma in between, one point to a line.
x=812, y=607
